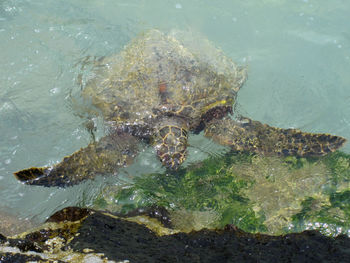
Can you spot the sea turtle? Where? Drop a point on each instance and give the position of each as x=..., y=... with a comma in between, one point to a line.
x=159, y=89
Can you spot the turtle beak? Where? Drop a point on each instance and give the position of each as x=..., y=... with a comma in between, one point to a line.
x=171, y=145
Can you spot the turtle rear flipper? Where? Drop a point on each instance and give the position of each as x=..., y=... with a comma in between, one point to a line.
x=253, y=136
x=103, y=157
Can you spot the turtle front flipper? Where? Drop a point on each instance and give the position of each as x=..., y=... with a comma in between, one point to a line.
x=252, y=136
x=102, y=157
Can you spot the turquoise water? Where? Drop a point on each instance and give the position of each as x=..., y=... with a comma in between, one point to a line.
x=297, y=52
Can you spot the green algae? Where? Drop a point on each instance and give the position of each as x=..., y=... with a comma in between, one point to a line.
x=331, y=218
x=256, y=193
x=339, y=165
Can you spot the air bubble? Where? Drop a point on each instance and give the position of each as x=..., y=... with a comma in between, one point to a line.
x=54, y=90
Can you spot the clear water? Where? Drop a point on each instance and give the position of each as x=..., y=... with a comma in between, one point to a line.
x=297, y=52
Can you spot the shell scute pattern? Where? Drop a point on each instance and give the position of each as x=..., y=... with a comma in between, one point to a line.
x=157, y=75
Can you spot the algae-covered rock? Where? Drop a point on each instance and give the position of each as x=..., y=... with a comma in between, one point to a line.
x=279, y=187
x=82, y=235
x=55, y=240
x=256, y=193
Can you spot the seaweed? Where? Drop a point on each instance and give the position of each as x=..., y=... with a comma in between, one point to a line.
x=331, y=218
x=339, y=165
x=256, y=193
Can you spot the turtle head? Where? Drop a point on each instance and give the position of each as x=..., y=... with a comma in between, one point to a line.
x=170, y=141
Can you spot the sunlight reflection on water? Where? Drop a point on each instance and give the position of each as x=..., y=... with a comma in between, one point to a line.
x=297, y=55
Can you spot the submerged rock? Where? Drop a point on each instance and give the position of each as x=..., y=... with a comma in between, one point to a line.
x=11, y=224
x=256, y=193
x=82, y=235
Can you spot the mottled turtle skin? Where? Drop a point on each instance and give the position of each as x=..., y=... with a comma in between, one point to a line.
x=160, y=89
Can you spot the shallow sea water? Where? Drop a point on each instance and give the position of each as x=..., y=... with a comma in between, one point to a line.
x=297, y=52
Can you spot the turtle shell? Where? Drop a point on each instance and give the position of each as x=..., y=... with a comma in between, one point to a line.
x=158, y=74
